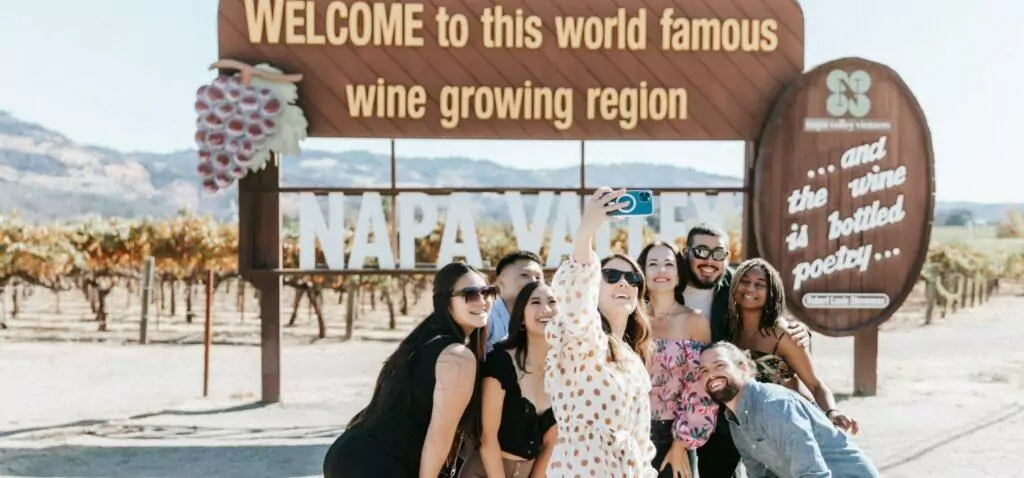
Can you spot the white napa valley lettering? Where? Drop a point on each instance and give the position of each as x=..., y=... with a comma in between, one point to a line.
x=529, y=236
x=843, y=259
x=459, y=219
x=313, y=227
x=419, y=214
x=409, y=228
x=865, y=219
x=371, y=221
x=864, y=154
x=878, y=180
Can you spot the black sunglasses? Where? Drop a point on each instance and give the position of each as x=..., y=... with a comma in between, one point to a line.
x=473, y=294
x=703, y=252
x=613, y=276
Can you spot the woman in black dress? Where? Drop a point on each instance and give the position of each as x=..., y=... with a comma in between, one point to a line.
x=426, y=402
x=518, y=423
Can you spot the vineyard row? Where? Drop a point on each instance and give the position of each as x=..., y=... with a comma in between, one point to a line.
x=97, y=255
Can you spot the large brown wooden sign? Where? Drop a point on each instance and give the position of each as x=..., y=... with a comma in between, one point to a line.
x=526, y=69
x=844, y=194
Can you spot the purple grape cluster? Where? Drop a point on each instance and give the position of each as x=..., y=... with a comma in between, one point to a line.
x=234, y=121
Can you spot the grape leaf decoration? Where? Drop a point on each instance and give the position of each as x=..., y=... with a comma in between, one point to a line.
x=241, y=119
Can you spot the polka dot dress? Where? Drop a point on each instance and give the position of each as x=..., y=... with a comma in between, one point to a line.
x=602, y=408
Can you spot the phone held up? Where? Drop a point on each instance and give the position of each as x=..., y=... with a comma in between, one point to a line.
x=639, y=202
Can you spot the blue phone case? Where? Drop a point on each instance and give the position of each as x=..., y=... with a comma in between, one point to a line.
x=641, y=203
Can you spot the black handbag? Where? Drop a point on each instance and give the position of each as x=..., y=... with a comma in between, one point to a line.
x=451, y=467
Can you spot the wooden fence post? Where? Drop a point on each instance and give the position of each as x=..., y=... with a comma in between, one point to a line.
x=931, y=292
x=147, y=293
x=350, y=306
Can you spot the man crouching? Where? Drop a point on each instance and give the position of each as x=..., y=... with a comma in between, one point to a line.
x=777, y=432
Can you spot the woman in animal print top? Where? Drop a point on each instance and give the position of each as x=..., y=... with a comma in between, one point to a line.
x=758, y=300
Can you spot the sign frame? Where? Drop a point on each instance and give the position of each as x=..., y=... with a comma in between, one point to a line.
x=774, y=124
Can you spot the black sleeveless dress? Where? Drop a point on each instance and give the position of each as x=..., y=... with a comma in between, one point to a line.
x=392, y=447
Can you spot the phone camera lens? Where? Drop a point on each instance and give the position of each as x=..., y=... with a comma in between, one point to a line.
x=645, y=197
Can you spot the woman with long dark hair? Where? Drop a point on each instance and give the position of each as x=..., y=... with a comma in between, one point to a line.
x=757, y=303
x=596, y=372
x=683, y=414
x=426, y=402
x=518, y=424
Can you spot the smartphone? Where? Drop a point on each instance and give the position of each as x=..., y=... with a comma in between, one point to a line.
x=640, y=202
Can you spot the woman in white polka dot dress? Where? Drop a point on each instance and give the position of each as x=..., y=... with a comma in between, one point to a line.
x=596, y=370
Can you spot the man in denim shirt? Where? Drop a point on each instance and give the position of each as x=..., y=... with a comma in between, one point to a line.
x=777, y=432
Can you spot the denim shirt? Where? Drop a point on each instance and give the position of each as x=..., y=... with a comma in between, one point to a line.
x=497, y=322
x=780, y=434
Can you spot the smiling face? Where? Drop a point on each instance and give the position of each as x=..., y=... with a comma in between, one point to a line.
x=660, y=269
x=618, y=298
x=707, y=271
x=471, y=301
x=751, y=292
x=516, y=275
x=720, y=374
x=540, y=309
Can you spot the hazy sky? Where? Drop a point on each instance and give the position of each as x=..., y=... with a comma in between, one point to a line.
x=123, y=74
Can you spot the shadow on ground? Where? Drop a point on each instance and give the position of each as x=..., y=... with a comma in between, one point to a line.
x=165, y=461
x=72, y=427
x=175, y=459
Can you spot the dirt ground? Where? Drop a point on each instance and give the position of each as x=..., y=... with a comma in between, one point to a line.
x=74, y=402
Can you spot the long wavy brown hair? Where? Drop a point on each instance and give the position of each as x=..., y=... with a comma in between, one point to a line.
x=682, y=269
x=638, y=325
x=774, y=305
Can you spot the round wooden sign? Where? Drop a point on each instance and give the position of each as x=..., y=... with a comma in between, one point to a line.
x=844, y=194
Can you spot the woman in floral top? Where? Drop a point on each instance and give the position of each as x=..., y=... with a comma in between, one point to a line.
x=683, y=414
x=596, y=373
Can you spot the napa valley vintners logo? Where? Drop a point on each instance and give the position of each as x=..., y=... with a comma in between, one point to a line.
x=848, y=93
x=848, y=103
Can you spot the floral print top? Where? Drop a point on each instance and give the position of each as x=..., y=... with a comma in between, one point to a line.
x=676, y=393
x=601, y=407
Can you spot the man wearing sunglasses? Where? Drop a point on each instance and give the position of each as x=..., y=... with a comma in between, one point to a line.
x=513, y=272
x=707, y=290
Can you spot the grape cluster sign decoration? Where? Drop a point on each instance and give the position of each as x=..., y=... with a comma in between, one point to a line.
x=242, y=118
x=844, y=194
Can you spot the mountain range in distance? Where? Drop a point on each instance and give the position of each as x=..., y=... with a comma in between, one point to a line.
x=46, y=176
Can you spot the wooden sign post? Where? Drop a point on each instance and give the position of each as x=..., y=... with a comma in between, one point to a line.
x=844, y=194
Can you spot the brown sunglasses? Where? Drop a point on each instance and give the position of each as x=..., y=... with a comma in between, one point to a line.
x=473, y=294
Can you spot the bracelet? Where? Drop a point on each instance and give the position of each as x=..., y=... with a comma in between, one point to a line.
x=828, y=414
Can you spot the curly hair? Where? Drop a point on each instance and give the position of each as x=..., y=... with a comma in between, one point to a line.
x=774, y=306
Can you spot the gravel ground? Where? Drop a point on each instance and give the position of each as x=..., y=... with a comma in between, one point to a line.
x=950, y=403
